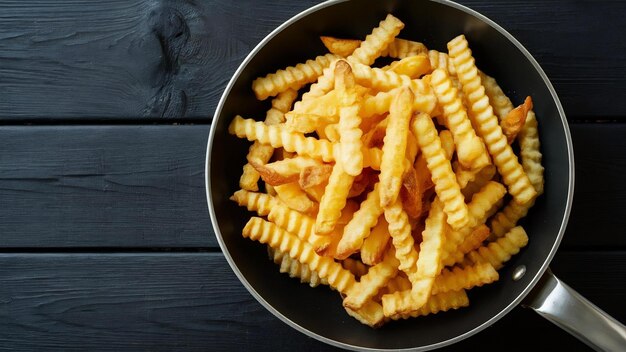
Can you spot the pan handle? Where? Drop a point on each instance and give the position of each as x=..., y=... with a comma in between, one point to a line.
x=559, y=303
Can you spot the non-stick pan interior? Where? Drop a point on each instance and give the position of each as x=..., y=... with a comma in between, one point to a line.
x=319, y=310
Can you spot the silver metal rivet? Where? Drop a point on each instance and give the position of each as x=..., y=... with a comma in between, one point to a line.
x=519, y=272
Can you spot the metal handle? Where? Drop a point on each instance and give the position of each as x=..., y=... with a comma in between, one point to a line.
x=563, y=306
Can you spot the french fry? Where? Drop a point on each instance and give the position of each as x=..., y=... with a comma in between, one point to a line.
x=411, y=193
x=371, y=314
x=376, y=42
x=394, y=147
x=312, y=176
x=261, y=203
x=402, y=48
x=335, y=236
x=277, y=136
x=444, y=179
x=447, y=143
x=471, y=242
x=334, y=200
x=412, y=66
x=501, y=104
x=360, y=225
x=298, y=224
x=469, y=148
x=487, y=123
x=294, y=268
x=499, y=252
x=349, y=121
x=424, y=100
x=529, y=150
x=439, y=60
x=464, y=278
x=369, y=284
x=286, y=170
x=514, y=121
x=292, y=77
x=341, y=47
x=262, y=231
x=357, y=268
x=295, y=198
x=374, y=137
x=438, y=303
x=400, y=232
x=375, y=244
x=307, y=122
x=260, y=153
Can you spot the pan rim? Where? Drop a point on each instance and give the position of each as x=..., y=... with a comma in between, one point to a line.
x=515, y=302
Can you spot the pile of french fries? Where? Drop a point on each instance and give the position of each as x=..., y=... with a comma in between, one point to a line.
x=389, y=184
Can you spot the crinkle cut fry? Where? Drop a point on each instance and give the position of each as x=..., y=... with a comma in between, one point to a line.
x=262, y=231
x=402, y=48
x=464, y=278
x=298, y=224
x=446, y=187
x=469, y=147
x=261, y=203
x=369, y=284
x=360, y=225
x=471, y=242
x=294, y=268
x=281, y=137
x=295, y=198
x=374, y=245
x=394, y=147
x=501, y=104
x=438, y=303
x=400, y=231
x=366, y=53
x=349, y=121
x=260, y=153
x=487, y=123
x=292, y=77
x=499, y=252
x=333, y=200
x=378, y=104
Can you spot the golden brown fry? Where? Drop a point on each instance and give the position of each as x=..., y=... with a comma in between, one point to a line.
x=311, y=176
x=278, y=136
x=295, y=198
x=442, y=61
x=438, y=303
x=471, y=242
x=376, y=42
x=513, y=122
x=260, y=153
x=411, y=193
x=486, y=122
x=298, y=224
x=349, y=120
x=369, y=284
x=260, y=230
x=470, y=149
x=529, y=151
x=501, y=104
x=447, y=143
x=374, y=137
x=499, y=252
x=306, y=122
x=464, y=278
x=378, y=104
x=447, y=188
x=412, y=66
x=295, y=269
x=292, y=77
x=394, y=147
x=334, y=200
x=285, y=170
x=259, y=202
x=335, y=236
x=359, y=226
x=400, y=231
x=402, y=48
x=341, y=47
x=371, y=314
x=375, y=244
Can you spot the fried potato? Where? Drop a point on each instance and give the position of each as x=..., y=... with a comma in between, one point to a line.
x=529, y=150
x=292, y=77
x=402, y=48
x=464, y=278
x=285, y=170
x=377, y=105
x=444, y=179
x=266, y=232
x=376, y=42
x=369, y=284
x=349, y=121
x=412, y=66
x=295, y=269
x=295, y=198
x=501, y=104
x=306, y=122
x=314, y=175
x=375, y=244
x=298, y=224
x=499, y=252
x=438, y=303
x=334, y=200
x=411, y=193
x=447, y=143
x=394, y=147
x=341, y=47
x=260, y=203
x=513, y=122
x=487, y=123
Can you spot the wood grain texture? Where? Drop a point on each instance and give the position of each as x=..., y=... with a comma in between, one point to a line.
x=143, y=187
x=107, y=186
x=162, y=302
x=171, y=59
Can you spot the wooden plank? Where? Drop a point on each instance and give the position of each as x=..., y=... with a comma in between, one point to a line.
x=104, y=186
x=143, y=187
x=114, y=302
x=172, y=59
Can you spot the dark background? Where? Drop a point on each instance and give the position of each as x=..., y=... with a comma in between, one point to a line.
x=105, y=239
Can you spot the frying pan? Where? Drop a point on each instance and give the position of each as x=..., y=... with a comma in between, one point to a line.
x=525, y=278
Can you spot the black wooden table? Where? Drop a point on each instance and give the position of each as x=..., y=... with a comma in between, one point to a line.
x=105, y=239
